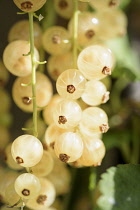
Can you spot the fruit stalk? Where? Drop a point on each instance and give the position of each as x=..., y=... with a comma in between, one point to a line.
x=75, y=32
x=33, y=74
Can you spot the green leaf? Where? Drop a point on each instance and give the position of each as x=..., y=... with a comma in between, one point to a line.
x=120, y=188
x=114, y=138
x=121, y=71
x=127, y=59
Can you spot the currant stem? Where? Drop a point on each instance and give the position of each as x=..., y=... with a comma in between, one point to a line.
x=92, y=184
x=75, y=33
x=31, y=14
x=135, y=140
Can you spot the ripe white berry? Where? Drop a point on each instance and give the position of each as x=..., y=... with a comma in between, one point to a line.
x=95, y=62
x=27, y=150
x=27, y=185
x=68, y=147
x=29, y=6
x=15, y=61
x=71, y=84
x=94, y=119
x=67, y=114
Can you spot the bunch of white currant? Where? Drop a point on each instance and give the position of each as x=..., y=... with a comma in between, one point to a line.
x=79, y=61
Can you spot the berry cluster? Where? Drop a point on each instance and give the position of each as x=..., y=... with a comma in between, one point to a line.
x=80, y=63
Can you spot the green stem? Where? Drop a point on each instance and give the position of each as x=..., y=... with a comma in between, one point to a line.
x=92, y=184
x=115, y=99
x=135, y=140
x=49, y=20
x=33, y=74
x=125, y=149
x=75, y=32
x=68, y=197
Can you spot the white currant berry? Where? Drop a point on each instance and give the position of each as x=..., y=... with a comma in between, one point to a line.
x=95, y=93
x=94, y=119
x=56, y=40
x=104, y=4
x=49, y=109
x=22, y=94
x=17, y=33
x=93, y=152
x=27, y=150
x=27, y=185
x=60, y=177
x=52, y=133
x=45, y=165
x=12, y=198
x=9, y=159
x=71, y=84
x=88, y=27
x=68, y=147
x=29, y=6
x=113, y=24
x=95, y=62
x=15, y=61
x=59, y=63
x=67, y=114
x=65, y=7
x=45, y=197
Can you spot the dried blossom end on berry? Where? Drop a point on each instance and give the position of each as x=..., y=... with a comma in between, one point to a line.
x=64, y=158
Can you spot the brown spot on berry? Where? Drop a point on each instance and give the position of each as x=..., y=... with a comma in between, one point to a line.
x=62, y=120
x=1, y=83
x=5, y=157
x=106, y=71
x=52, y=145
x=26, y=100
x=27, y=5
x=56, y=39
x=1, y=198
x=41, y=199
x=20, y=61
x=64, y=158
x=105, y=97
x=63, y=4
x=19, y=160
x=25, y=192
x=104, y=128
x=70, y=89
x=55, y=73
x=113, y=3
x=89, y=34
x=45, y=147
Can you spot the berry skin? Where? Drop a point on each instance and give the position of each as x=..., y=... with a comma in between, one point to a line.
x=71, y=84
x=56, y=40
x=15, y=61
x=93, y=152
x=27, y=150
x=29, y=6
x=27, y=185
x=68, y=147
x=95, y=93
x=94, y=119
x=67, y=114
x=95, y=62
x=22, y=95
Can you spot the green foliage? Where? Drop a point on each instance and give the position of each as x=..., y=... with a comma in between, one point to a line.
x=114, y=138
x=127, y=59
x=120, y=188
